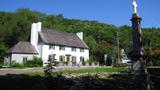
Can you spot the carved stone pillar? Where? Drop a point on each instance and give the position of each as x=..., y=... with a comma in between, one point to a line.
x=137, y=53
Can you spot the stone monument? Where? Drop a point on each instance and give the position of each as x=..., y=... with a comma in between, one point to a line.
x=137, y=53
x=139, y=70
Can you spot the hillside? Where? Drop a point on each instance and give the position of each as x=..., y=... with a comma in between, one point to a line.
x=100, y=37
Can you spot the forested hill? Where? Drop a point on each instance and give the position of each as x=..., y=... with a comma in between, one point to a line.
x=100, y=37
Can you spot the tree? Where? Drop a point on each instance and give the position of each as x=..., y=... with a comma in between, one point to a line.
x=3, y=51
x=91, y=42
x=100, y=37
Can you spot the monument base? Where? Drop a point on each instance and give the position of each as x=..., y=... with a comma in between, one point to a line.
x=138, y=67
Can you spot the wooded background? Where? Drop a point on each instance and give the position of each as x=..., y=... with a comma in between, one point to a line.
x=100, y=37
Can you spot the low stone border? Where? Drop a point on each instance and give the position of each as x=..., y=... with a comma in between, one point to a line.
x=102, y=74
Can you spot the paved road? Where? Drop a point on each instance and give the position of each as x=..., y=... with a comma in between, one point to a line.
x=19, y=71
x=4, y=71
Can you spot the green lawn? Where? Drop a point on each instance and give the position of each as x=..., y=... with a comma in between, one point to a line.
x=93, y=70
x=86, y=70
x=37, y=81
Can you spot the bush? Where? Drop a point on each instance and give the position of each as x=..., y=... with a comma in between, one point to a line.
x=96, y=63
x=156, y=62
x=90, y=62
x=83, y=63
x=15, y=64
x=55, y=63
x=35, y=62
x=1, y=61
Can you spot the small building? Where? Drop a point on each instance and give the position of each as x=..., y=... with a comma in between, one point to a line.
x=20, y=53
x=50, y=44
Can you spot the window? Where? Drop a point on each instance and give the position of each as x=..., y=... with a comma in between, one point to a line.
x=61, y=58
x=51, y=57
x=73, y=49
x=81, y=50
x=68, y=58
x=52, y=47
x=81, y=59
x=73, y=58
x=24, y=60
x=74, y=61
x=62, y=48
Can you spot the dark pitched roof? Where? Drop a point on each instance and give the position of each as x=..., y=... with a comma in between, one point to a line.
x=49, y=36
x=23, y=48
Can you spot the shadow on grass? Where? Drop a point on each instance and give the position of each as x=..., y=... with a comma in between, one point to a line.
x=21, y=82
x=58, y=82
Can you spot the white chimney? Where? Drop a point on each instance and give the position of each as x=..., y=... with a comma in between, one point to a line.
x=80, y=35
x=39, y=26
x=35, y=28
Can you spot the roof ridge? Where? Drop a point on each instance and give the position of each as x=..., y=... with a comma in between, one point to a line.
x=50, y=36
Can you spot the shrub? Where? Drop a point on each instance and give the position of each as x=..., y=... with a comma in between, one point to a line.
x=35, y=62
x=15, y=64
x=48, y=69
x=90, y=62
x=1, y=61
x=96, y=63
x=66, y=62
x=55, y=63
x=83, y=63
x=74, y=63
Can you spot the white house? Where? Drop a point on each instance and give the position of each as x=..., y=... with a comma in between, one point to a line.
x=50, y=44
x=20, y=53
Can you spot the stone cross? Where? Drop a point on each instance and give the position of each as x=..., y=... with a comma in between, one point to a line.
x=135, y=6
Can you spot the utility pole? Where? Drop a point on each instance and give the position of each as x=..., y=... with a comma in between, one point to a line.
x=118, y=56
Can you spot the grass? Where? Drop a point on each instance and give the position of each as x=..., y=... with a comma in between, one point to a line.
x=32, y=81
x=86, y=70
x=34, y=74
x=93, y=70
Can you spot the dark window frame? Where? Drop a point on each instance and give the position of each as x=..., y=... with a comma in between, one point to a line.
x=62, y=58
x=62, y=48
x=81, y=49
x=52, y=47
x=74, y=49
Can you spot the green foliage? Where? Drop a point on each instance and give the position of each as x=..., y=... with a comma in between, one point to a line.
x=48, y=68
x=100, y=37
x=3, y=50
x=94, y=70
x=15, y=64
x=35, y=62
x=59, y=82
x=92, y=58
x=91, y=42
x=115, y=82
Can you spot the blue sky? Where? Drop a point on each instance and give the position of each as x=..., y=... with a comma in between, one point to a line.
x=116, y=12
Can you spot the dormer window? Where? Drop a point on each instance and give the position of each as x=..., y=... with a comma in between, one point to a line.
x=62, y=48
x=52, y=47
x=81, y=50
x=73, y=49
